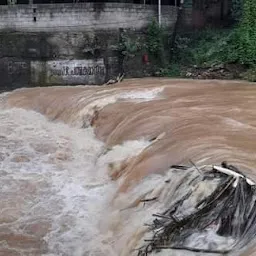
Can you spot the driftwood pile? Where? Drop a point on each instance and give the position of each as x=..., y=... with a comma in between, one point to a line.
x=230, y=210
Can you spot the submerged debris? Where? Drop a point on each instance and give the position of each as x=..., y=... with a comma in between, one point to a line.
x=229, y=211
x=118, y=79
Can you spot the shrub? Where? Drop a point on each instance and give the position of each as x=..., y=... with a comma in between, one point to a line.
x=244, y=38
x=250, y=74
x=156, y=40
x=236, y=10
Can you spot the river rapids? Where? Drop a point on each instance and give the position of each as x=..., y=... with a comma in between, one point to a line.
x=83, y=169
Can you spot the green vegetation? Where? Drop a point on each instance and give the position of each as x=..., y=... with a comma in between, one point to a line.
x=128, y=46
x=237, y=7
x=214, y=48
x=209, y=50
x=250, y=74
x=172, y=70
x=244, y=39
x=204, y=49
x=155, y=43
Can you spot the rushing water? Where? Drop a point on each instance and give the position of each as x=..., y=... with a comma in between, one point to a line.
x=75, y=162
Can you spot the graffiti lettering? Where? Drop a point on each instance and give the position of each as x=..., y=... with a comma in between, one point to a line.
x=78, y=71
x=16, y=67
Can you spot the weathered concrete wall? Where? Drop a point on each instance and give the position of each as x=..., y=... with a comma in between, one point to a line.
x=68, y=71
x=45, y=58
x=81, y=16
x=67, y=43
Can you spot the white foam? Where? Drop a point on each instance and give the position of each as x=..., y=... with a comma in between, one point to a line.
x=142, y=95
x=124, y=151
x=58, y=174
x=70, y=188
x=3, y=98
x=236, y=125
x=101, y=100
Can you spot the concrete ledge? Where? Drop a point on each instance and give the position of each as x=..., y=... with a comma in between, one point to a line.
x=81, y=16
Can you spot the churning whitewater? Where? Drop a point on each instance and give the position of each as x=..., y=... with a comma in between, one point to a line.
x=84, y=169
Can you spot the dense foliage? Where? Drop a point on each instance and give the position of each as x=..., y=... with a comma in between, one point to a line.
x=155, y=44
x=244, y=39
x=202, y=49
x=237, y=7
x=216, y=47
x=154, y=40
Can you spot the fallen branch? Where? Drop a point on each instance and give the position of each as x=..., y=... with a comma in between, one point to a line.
x=230, y=209
x=193, y=249
x=148, y=200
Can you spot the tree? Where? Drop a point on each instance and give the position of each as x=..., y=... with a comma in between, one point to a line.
x=246, y=34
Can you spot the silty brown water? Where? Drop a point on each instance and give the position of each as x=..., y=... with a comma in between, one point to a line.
x=69, y=189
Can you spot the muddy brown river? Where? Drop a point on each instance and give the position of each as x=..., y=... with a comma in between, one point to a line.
x=76, y=162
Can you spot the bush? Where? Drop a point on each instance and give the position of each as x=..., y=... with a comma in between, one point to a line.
x=128, y=46
x=236, y=10
x=155, y=43
x=250, y=75
x=204, y=48
x=172, y=70
x=154, y=38
x=244, y=38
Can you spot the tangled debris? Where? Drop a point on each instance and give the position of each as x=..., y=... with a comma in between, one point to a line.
x=229, y=211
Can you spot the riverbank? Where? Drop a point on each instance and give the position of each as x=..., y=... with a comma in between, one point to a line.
x=207, y=54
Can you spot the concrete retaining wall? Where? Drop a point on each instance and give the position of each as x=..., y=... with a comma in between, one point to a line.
x=68, y=43
x=46, y=58
x=81, y=16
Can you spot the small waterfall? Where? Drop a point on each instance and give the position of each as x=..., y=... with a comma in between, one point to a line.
x=84, y=169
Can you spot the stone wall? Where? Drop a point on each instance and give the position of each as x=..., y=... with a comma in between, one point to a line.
x=67, y=43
